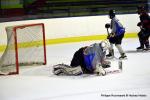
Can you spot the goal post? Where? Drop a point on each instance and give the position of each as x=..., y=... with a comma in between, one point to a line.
x=25, y=46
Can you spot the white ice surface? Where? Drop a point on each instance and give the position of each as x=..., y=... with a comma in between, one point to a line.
x=38, y=83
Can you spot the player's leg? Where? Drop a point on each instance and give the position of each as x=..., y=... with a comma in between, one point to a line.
x=140, y=36
x=146, y=41
x=121, y=51
x=147, y=44
x=111, y=50
x=119, y=47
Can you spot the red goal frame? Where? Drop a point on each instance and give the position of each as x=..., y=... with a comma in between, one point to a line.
x=16, y=47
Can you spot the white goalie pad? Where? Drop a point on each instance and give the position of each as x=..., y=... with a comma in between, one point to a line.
x=63, y=69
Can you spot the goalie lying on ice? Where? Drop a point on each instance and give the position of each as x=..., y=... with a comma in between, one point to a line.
x=86, y=60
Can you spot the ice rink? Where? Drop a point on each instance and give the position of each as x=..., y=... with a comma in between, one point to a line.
x=38, y=83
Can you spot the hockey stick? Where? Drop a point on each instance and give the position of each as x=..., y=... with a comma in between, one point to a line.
x=120, y=68
x=108, y=71
x=108, y=32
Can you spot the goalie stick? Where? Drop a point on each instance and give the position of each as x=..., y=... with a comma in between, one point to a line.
x=120, y=68
x=113, y=71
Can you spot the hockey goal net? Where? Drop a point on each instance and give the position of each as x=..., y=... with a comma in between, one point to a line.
x=25, y=46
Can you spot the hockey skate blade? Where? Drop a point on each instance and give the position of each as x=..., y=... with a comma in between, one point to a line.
x=115, y=58
x=139, y=50
x=110, y=57
x=146, y=50
x=123, y=58
x=143, y=51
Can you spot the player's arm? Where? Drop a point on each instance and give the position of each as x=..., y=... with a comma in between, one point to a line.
x=113, y=28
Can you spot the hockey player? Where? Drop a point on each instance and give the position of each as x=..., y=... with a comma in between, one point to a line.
x=87, y=60
x=144, y=25
x=116, y=35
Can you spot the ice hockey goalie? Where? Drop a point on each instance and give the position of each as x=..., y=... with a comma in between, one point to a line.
x=86, y=60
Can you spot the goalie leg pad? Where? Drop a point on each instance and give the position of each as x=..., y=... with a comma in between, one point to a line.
x=63, y=69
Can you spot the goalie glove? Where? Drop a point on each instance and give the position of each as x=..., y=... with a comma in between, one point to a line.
x=99, y=70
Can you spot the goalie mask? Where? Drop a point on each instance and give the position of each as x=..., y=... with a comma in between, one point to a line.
x=105, y=45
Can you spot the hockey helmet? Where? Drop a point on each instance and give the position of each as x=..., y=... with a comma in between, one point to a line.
x=105, y=44
x=112, y=14
x=141, y=9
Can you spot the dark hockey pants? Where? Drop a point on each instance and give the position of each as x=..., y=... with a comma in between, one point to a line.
x=78, y=60
x=116, y=39
x=143, y=39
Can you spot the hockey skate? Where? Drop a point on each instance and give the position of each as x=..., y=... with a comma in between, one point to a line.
x=147, y=48
x=123, y=56
x=141, y=48
x=110, y=55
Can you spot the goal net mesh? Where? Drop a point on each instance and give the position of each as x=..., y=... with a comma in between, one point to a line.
x=25, y=46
